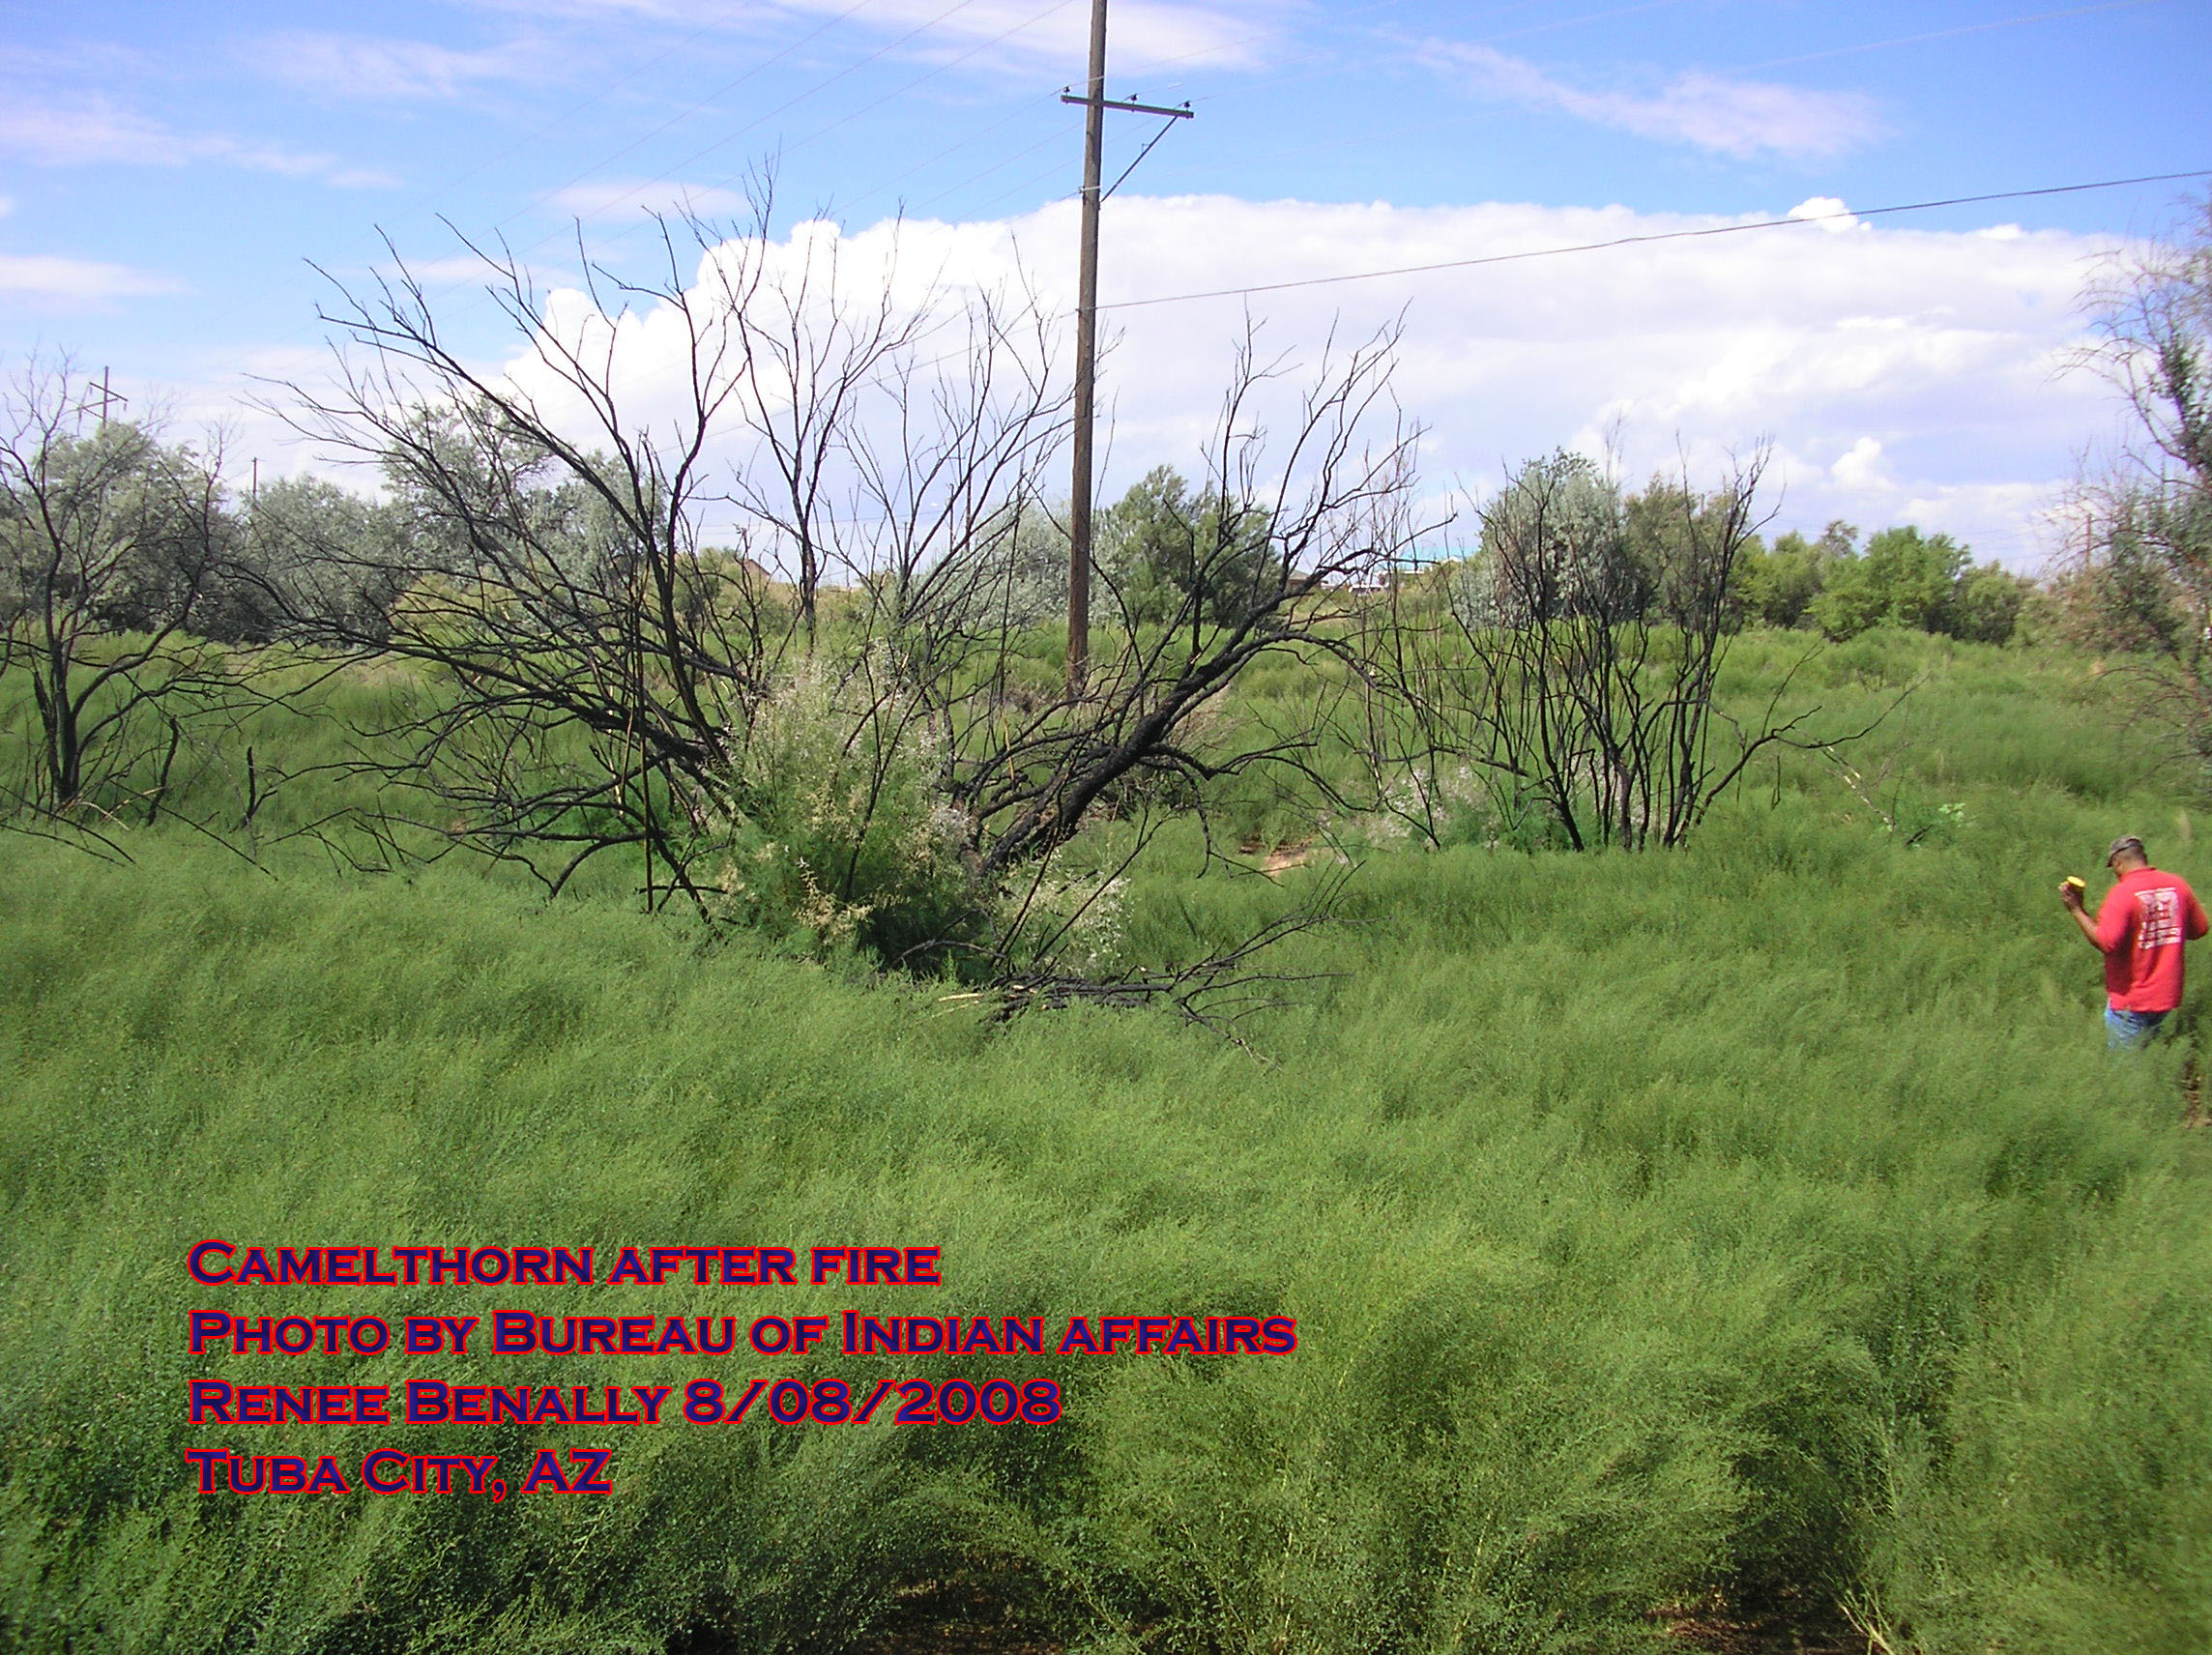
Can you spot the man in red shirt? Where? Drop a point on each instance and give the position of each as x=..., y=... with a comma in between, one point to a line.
x=2146, y=919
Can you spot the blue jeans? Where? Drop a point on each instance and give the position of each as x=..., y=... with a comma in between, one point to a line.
x=2125, y=1031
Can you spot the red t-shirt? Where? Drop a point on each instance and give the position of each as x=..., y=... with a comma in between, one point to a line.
x=2145, y=918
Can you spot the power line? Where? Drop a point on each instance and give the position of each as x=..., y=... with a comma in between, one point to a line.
x=638, y=191
x=1276, y=81
x=1026, y=104
x=1370, y=138
x=1656, y=236
x=666, y=176
x=1593, y=246
x=999, y=165
x=568, y=113
x=1946, y=34
x=683, y=114
x=1220, y=47
x=940, y=69
x=718, y=91
x=1024, y=107
x=1572, y=22
x=1332, y=63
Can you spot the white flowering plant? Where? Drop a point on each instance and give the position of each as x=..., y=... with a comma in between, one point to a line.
x=837, y=835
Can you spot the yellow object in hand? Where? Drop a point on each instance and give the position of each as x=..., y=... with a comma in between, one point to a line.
x=2078, y=884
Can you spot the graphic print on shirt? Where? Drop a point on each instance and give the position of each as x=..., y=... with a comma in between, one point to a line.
x=2159, y=921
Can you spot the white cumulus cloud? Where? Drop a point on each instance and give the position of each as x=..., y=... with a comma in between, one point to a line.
x=1900, y=375
x=1859, y=468
x=1829, y=213
x=1943, y=348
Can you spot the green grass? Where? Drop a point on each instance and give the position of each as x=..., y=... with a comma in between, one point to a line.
x=1762, y=1219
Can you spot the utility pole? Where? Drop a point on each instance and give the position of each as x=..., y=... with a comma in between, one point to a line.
x=106, y=397
x=1095, y=103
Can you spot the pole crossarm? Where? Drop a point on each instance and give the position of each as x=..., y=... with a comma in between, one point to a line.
x=1181, y=113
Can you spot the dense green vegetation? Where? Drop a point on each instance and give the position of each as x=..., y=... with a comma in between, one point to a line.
x=1667, y=1098
x=1757, y=1222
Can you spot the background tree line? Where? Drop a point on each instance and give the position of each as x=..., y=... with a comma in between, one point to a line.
x=1832, y=585
x=844, y=715
x=880, y=749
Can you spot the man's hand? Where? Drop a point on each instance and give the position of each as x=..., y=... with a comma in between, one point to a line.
x=2070, y=896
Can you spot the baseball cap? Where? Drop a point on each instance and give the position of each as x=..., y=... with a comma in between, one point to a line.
x=2125, y=842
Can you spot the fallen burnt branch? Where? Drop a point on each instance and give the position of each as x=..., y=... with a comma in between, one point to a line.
x=1214, y=993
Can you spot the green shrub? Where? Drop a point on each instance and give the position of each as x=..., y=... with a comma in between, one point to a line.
x=1760, y=1222
x=837, y=835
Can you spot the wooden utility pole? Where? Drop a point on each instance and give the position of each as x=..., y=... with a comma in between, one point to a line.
x=108, y=397
x=1085, y=358
x=1096, y=103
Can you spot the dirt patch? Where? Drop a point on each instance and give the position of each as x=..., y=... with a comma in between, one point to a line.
x=968, y=1615
x=1276, y=861
x=1715, y=1627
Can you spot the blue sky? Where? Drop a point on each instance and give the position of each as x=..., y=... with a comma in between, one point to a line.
x=167, y=173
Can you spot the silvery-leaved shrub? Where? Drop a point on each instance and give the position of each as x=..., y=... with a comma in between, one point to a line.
x=836, y=835
x=1072, y=924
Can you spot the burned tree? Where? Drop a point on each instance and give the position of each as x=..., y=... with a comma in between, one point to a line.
x=1267, y=556
x=1571, y=668
x=840, y=718
x=114, y=548
x=2142, y=580
x=585, y=673
x=583, y=662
